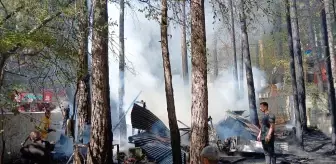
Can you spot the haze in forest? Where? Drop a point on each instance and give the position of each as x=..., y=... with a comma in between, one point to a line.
x=143, y=55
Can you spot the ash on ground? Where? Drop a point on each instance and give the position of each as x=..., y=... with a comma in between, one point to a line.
x=317, y=149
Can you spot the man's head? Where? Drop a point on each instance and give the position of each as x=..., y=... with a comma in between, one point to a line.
x=210, y=155
x=263, y=107
x=47, y=113
x=35, y=136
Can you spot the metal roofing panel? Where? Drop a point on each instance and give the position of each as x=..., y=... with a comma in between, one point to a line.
x=144, y=119
x=155, y=141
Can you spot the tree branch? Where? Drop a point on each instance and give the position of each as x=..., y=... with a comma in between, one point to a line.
x=13, y=73
x=4, y=7
x=32, y=31
x=44, y=22
x=11, y=14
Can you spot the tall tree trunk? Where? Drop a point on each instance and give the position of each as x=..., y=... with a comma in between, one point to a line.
x=262, y=61
x=318, y=45
x=83, y=81
x=174, y=130
x=297, y=121
x=248, y=67
x=185, y=73
x=3, y=141
x=82, y=106
x=330, y=21
x=279, y=45
x=279, y=29
x=100, y=148
x=331, y=89
x=258, y=82
x=334, y=8
x=299, y=66
x=215, y=59
x=257, y=55
x=121, y=90
x=233, y=37
x=199, y=88
x=317, y=68
x=241, y=71
x=3, y=60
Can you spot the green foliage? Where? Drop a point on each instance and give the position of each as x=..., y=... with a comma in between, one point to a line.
x=271, y=63
x=37, y=40
x=254, y=10
x=54, y=41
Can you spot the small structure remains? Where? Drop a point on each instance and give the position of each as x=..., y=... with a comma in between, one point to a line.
x=232, y=134
x=153, y=136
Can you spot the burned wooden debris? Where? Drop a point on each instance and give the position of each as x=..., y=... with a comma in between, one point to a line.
x=231, y=135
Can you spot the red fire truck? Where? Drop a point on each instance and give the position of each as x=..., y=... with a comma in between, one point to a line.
x=37, y=102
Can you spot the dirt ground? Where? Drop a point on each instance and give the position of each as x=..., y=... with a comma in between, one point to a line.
x=317, y=150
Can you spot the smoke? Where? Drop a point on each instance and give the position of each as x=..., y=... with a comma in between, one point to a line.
x=143, y=53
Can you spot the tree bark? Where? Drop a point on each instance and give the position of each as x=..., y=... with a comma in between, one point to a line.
x=333, y=9
x=199, y=88
x=330, y=20
x=317, y=68
x=121, y=90
x=298, y=63
x=233, y=37
x=82, y=96
x=77, y=157
x=3, y=142
x=174, y=130
x=82, y=106
x=331, y=89
x=3, y=60
x=100, y=147
x=248, y=67
x=185, y=73
x=297, y=121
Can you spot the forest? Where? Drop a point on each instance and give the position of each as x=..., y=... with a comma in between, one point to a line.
x=104, y=68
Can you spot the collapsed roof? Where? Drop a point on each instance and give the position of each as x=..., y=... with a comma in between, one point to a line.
x=155, y=141
x=155, y=138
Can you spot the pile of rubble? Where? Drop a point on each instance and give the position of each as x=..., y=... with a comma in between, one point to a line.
x=232, y=134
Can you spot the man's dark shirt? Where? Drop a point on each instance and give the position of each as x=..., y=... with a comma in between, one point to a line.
x=266, y=121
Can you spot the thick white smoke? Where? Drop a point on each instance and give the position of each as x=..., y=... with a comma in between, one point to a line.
x=143, y=51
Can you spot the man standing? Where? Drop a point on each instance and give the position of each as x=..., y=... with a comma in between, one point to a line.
x=266, y=134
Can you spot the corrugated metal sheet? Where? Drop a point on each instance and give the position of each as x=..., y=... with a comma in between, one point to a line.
x=146, y=137
x=155, y=147
x=144, y=119
x=155, y=141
